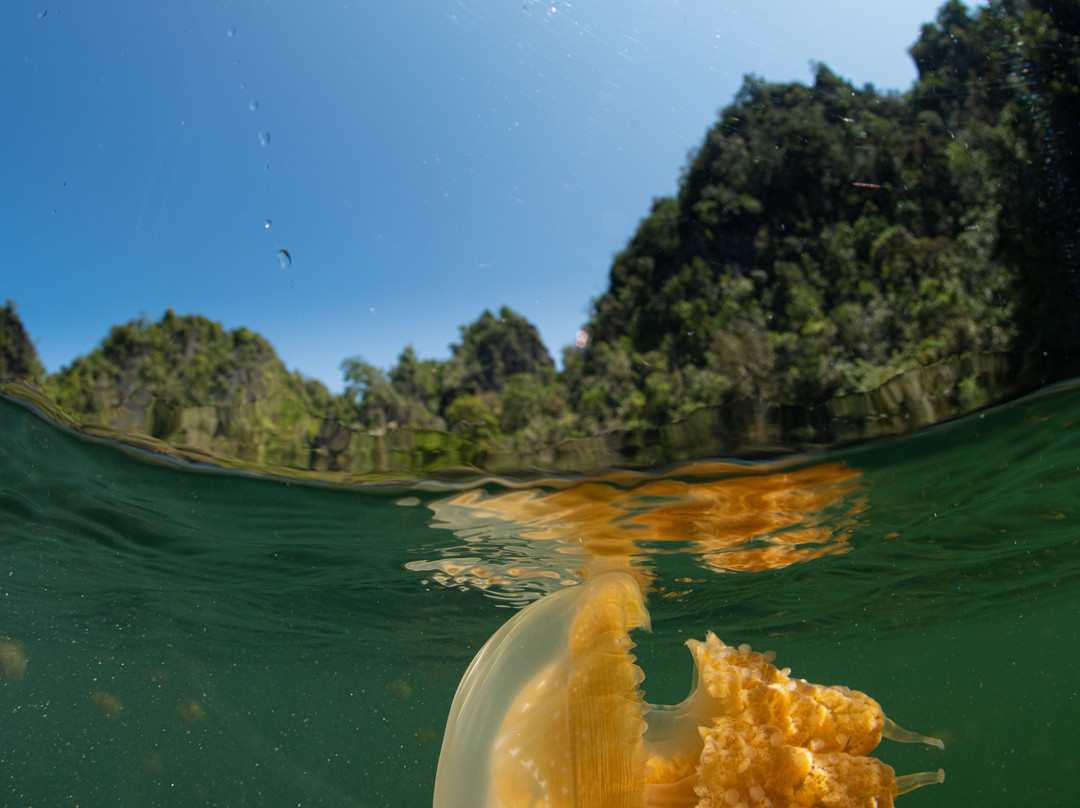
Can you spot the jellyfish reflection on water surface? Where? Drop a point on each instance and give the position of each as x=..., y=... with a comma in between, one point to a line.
x=731, y=517
x=549, y=715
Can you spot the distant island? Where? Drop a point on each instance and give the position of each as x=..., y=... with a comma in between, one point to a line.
x=838, y=263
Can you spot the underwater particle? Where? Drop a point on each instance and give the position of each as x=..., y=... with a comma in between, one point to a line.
x=12, y=660
x=399, y=690
x=106, y=704
x=189, y=713
x=284, y=259
x=264, y=138
x=253, y=104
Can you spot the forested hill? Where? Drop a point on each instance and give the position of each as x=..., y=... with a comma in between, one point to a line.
x=188, y=360
x=824, y=239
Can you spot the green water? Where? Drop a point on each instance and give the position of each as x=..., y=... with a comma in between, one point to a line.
x=323, y=653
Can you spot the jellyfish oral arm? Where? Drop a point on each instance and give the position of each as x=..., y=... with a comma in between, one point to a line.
x=910, y=782
x=894, y=732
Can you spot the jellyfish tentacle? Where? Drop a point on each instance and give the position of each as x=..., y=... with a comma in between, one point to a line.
x=910, y=782
x=895, y=732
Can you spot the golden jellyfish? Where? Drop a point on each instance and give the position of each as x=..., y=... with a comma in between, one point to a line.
x=550, y=715
x=106, y=704
x=152, y=763
x=189, y=713
x=12, y=660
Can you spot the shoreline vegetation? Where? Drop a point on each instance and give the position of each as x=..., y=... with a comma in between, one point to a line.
x=838, y=264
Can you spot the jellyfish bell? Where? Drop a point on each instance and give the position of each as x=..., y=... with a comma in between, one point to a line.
x=550, y=715
x=558, y=671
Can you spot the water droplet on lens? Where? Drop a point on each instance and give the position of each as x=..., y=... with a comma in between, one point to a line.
x=268, y=223
x=253, y=105
x=284, y=259
x=264, y=138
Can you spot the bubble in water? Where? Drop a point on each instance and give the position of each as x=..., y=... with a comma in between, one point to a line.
x=284, y=259
x=264, y=138
x=253, y=105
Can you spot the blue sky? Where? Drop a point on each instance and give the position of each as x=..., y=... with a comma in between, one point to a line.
x=420, y=160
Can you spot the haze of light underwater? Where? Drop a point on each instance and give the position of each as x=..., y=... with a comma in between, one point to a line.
x=176, y=636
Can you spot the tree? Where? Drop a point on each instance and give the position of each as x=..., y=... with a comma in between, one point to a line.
x=18, y=357
x=493, y=349
x=419, y=382
x=376, y=404
x=945, y=56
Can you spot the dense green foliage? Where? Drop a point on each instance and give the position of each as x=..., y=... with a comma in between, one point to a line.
x=18, y=357
x=488, y=387
x=826, y=238
x=823, y=240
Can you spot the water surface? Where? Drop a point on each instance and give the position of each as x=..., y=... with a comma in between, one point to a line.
x=197, y=637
